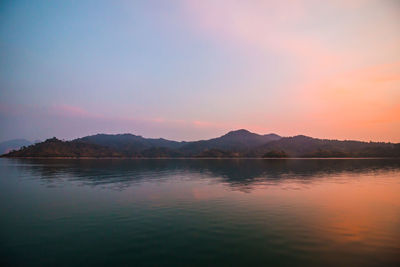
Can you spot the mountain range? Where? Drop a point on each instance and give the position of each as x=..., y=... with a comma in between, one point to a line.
x=239, y=143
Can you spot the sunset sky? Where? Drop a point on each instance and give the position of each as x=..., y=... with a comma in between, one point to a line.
x=188, y=70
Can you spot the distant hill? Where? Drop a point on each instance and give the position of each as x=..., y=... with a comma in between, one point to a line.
x=240, y=143
x=14, y=144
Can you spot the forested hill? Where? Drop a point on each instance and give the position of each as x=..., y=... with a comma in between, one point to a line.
x=240, y=143
x=57, y=148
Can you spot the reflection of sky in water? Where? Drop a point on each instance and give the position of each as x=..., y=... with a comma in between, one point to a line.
x=242, y=174
x=312, y=211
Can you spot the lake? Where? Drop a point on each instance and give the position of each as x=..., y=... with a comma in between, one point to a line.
x=214, y=212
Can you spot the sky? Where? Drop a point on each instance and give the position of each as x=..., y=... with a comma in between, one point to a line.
x=189, y=70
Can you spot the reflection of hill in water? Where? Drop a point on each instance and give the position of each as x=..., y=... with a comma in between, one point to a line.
x=239, y=172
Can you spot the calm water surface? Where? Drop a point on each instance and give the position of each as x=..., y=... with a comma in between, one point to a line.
x=199, y=212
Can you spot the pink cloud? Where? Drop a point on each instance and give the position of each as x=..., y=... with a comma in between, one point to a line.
x=269, y=26
x=74, y=111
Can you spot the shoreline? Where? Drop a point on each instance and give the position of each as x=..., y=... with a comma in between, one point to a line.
x=199, y=158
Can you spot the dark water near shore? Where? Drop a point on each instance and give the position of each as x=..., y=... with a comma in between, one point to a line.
x=199, y=212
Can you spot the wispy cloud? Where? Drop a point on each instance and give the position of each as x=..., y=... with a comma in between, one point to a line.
x=64, y=120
